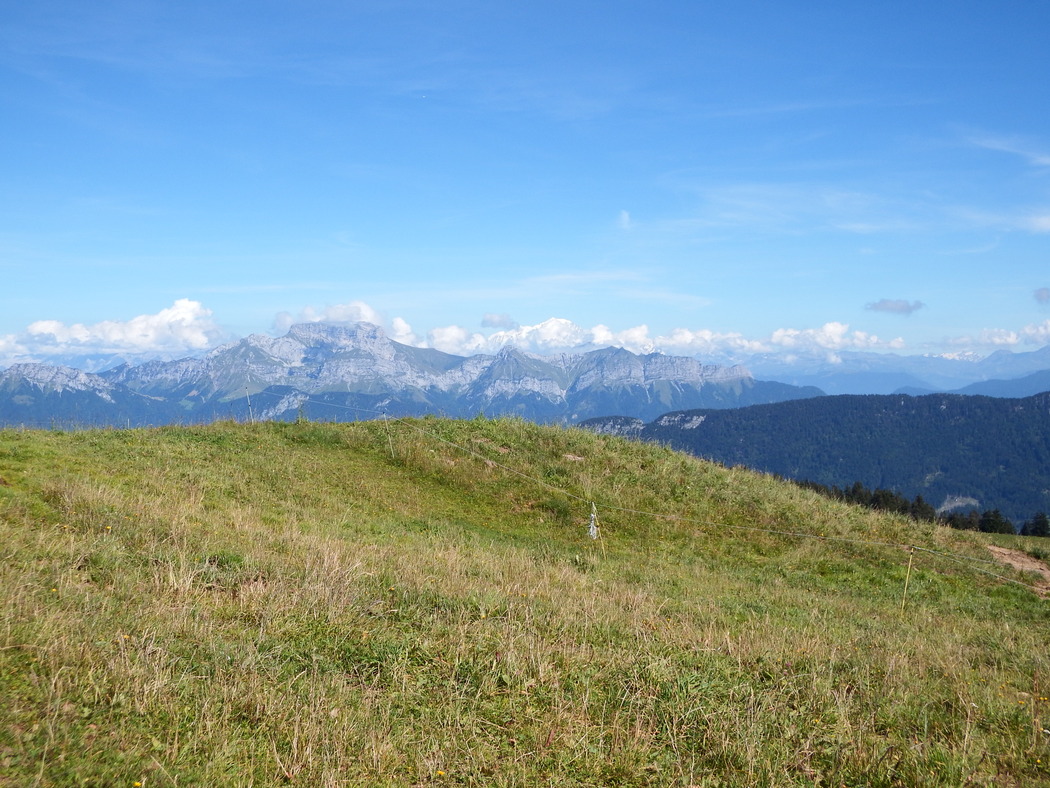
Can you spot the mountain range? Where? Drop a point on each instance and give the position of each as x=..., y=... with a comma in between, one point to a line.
x=861, y=372
x=1003, y=373
x=351, y=372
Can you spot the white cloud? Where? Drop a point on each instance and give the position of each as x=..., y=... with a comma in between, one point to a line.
x=456, y=340
x=998, y=337
x=830, y=336
x=684, y=341
x=1042, y=295
x=624, y=220
x=561, y=335
x=185, y=326
x=551, y=336
x=1036, y=333
x=282, y=321
x=895, y=306
x=402, y=332
x=12, y=351
x=352, y=312
x=554, y=334
x=988, y=337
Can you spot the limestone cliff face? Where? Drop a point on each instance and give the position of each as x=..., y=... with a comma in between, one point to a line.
x=49, y=379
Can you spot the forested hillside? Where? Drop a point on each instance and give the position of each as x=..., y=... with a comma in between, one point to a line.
x=995, y=453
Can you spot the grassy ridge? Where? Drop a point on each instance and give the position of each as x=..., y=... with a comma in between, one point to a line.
x=369, y=604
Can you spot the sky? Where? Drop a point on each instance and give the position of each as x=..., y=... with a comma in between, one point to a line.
x=691, y=177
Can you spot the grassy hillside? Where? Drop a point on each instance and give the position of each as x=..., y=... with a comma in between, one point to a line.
x=418, y=603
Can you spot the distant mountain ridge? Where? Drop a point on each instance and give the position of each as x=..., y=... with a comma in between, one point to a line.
x=951, y=449
x=346, y=372
x=832, y=371
x=1028, y=386
x=859, y=372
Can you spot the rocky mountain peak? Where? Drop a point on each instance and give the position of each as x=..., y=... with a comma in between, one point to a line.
x=56, y=378
x=340, y=335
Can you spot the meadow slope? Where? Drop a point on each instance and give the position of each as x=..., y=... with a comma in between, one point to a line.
x=418, y=603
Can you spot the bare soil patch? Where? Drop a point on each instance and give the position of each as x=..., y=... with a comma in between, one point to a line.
x=1024, y=563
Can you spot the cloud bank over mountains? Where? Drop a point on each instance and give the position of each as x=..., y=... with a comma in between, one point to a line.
x=184, y=328
x=188, y=328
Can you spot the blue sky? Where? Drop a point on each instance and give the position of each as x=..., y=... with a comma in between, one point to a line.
x=693, y=177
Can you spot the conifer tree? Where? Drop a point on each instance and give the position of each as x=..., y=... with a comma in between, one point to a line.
x=1039, y=525
x=993, y=522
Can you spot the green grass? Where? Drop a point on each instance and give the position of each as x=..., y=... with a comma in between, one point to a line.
x=370, y=604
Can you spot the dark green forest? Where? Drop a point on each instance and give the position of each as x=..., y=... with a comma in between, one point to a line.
x=988, y=521
x=958, y=453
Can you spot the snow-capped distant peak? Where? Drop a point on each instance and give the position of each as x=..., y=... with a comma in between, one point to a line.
x=963, y=355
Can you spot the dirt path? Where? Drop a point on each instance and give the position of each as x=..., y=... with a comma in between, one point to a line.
x=1024, y=563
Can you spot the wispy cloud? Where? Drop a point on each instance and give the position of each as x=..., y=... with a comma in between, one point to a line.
x=421, y=53
x=895, y=306
x=794, y=208
x=1015, y=146
x=666, y=295
x=249, y=288
x=586, y=277
x=1026, y=219
x=494, y=320
x=982, y=249
x=1037, y=223
x=808, y=105
x=1042, y=295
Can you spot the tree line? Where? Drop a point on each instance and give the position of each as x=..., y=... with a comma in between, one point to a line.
x=989, y=521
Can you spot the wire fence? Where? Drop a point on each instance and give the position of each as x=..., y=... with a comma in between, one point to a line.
x=605, y=506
